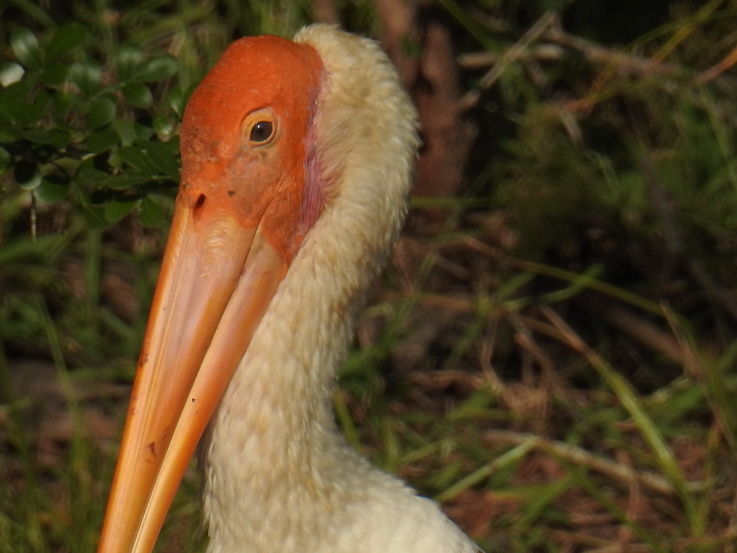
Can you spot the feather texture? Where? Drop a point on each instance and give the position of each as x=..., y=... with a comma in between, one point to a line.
x=279, y=475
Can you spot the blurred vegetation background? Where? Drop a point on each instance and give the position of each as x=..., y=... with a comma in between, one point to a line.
x=550, y=352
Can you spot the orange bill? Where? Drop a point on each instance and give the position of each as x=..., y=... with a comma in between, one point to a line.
x=189, y=355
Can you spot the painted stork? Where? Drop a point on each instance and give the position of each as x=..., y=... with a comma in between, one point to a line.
x=296, y=165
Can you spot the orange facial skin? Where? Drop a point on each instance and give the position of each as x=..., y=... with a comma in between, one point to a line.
x=262, y=182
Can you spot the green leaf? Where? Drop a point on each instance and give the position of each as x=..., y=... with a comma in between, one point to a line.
x=55, y=75
x=10, y=73
x=61, y=105
x=162, y=157
x=125, y=181
x=69, y=163
x=127, y=60
x=130, y=131
x=66, y=39
x=52, y=190
x=138, y=158
x=163, y=126
x=125, y=130
x=116, y=209
x=152, y=213
x=143, y=132
x=102, y=141
x=8, y=132
x=138, y=94
x=13, y=103
x=88, y=174
x=41, y=101
x=5, y=160
x=95, y=217
x=27, y=175
x=102, y=111
x=177, y=98
x=87, y=75
x=57, y=138
x=158, y=68
x=152, y=158
x=26, y=48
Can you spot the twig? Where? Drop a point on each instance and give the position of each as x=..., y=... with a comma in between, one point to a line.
x=518, y=50
x=486, y=351
x=716, y=70
x=580, y=456
x=698, y=271
x=479, y=60
x=637, y=328
x=732, y=527
x=634, y=500
x=623, y=61
x=324, y=11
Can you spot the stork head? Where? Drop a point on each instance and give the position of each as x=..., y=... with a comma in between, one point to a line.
x=249, y=192
x=246, y=138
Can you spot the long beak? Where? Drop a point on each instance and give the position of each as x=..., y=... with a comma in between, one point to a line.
x=216, y=281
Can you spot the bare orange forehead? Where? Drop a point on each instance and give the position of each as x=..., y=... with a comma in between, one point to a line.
x=253, y=73
x=222, y=169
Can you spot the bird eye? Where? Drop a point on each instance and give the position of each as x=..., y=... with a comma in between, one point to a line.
x=261, y=132
x=260, y=127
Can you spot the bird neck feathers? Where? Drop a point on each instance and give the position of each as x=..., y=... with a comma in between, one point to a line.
x=274, y=457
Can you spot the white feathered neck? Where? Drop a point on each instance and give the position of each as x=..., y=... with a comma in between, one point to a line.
x=279, y=476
